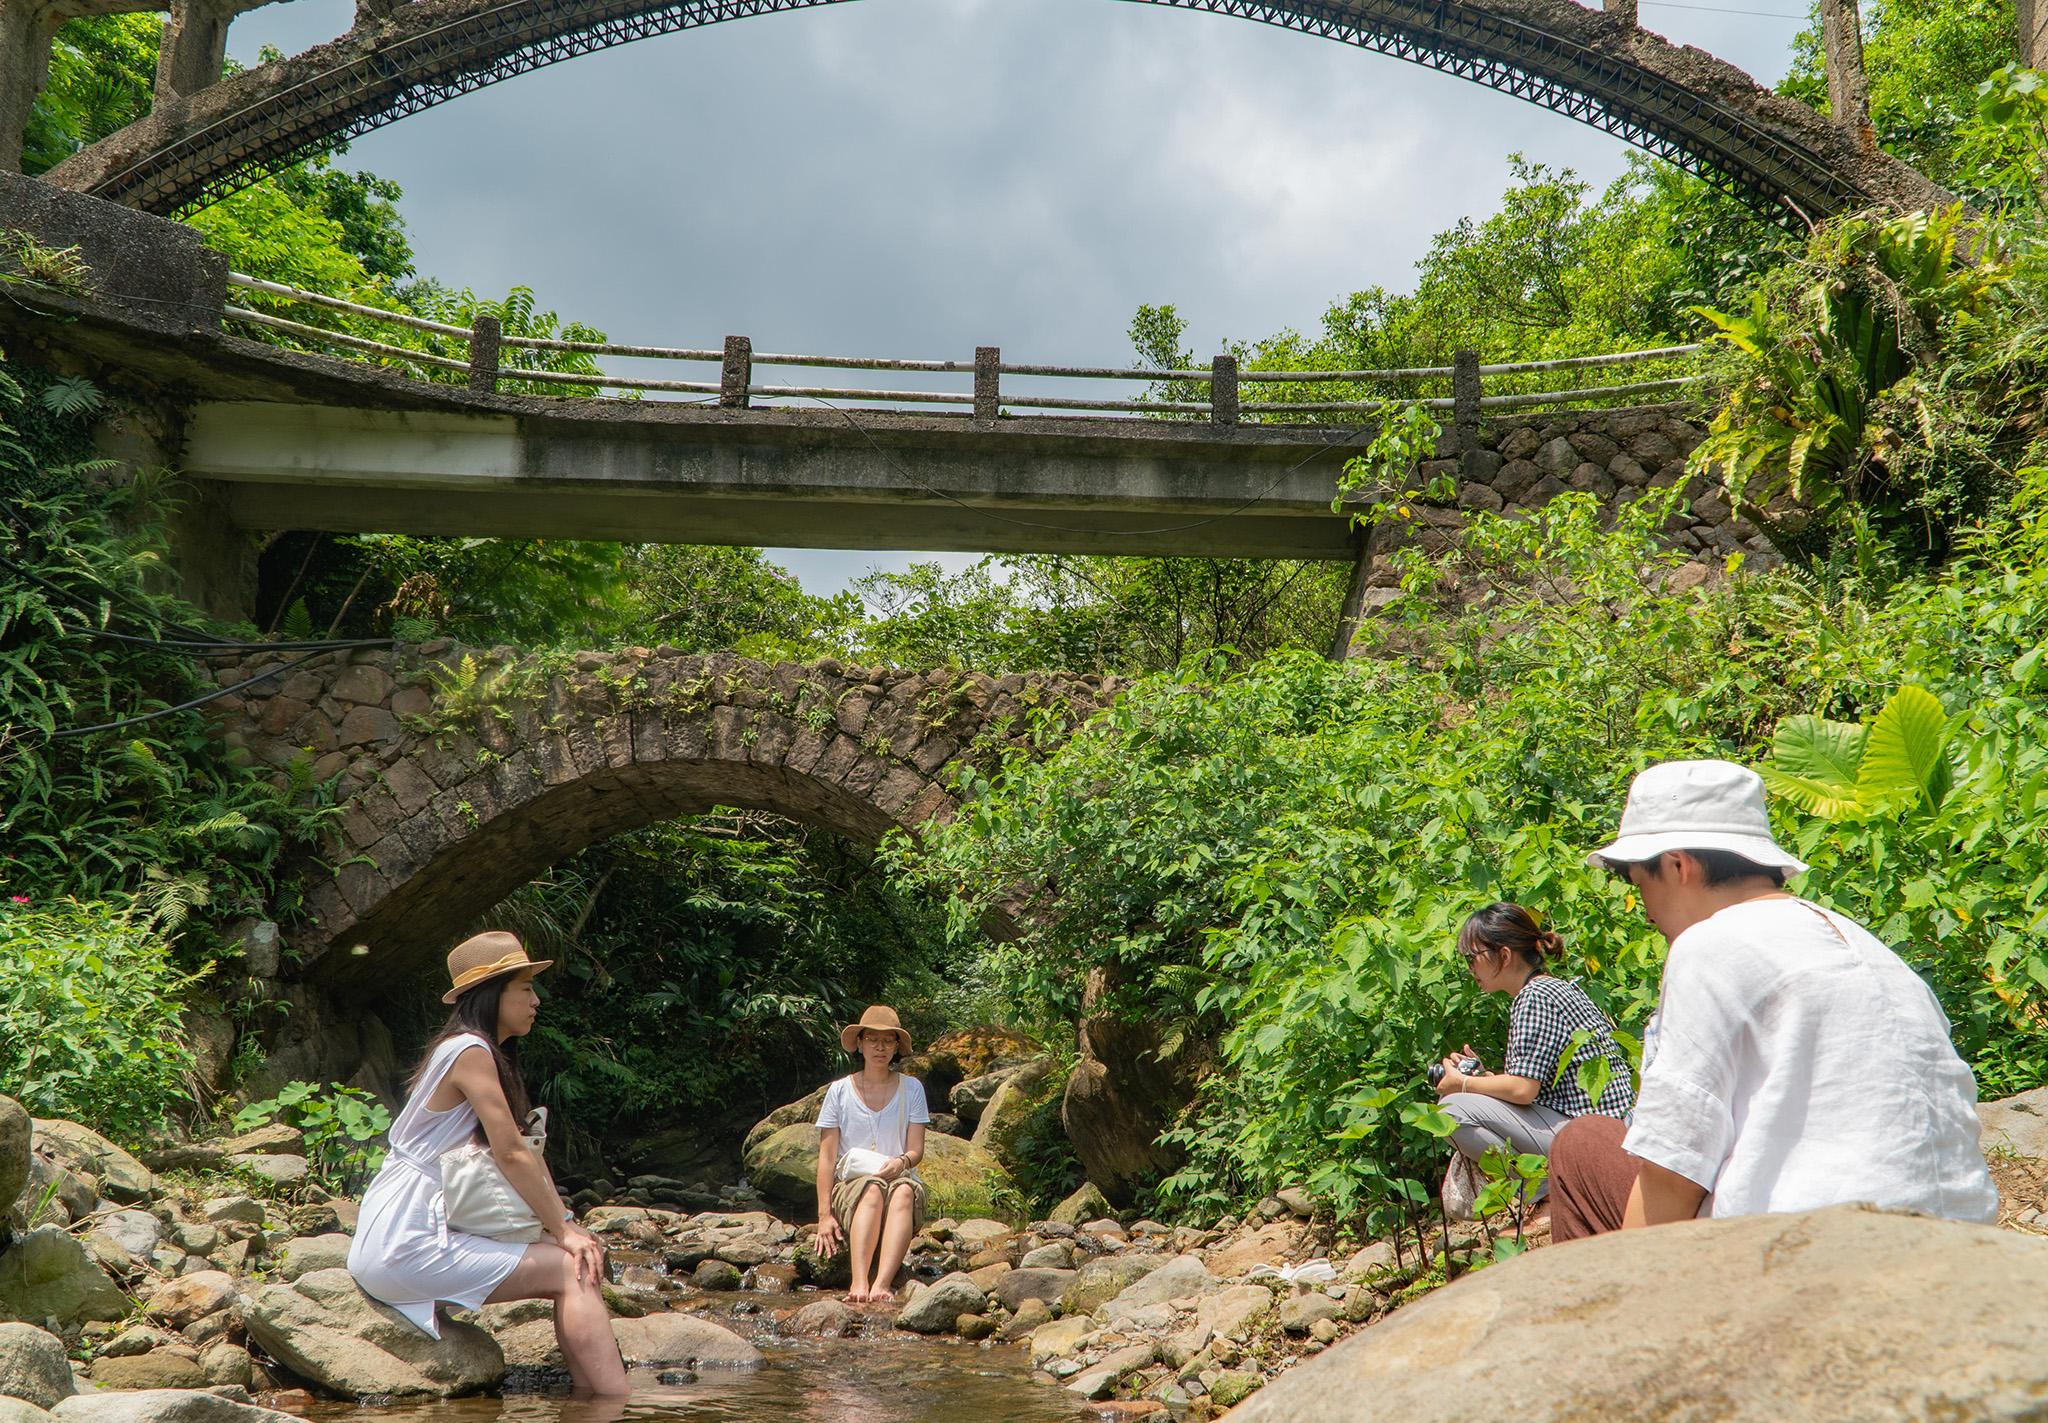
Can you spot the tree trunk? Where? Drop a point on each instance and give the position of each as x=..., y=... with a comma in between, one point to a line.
x=2033, y=18
x=24, y=62
x=1841, y=31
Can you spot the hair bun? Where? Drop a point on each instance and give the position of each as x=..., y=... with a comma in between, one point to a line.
x=1551, y=943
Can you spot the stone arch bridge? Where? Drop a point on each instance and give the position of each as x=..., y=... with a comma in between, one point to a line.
x=465, y=773
x=207, y=135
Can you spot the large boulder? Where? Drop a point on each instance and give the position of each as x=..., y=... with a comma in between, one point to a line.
x=325, y=1329
x=1842, y=1313
x=1011, y=1110
x=952, y=1058
x=17, y=1133
x=1181, y=1278
x=33, y=1366
x=1085, y=1204
x=964, y=1182
x=15, y=1410
x=160, y=1368
x=163, y=1406
x=1126, y=1089
x=961, y=1180
x=49, y=1275
x=80, y=1149
x=804, y=1109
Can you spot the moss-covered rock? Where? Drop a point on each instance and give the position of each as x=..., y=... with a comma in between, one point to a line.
x=804, y=1109
x=961, y=1180
x=1009, y=1114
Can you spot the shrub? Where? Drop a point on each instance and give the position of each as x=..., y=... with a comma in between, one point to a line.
x=89, y=1016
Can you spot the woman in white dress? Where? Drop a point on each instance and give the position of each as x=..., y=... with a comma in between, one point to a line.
x=468, y=1084
x=870, y=1139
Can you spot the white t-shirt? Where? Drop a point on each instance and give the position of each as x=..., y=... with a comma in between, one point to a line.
x=885, y=1131
x=1796, y=1062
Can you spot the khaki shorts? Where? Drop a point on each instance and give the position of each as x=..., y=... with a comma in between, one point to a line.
x=846, y=1195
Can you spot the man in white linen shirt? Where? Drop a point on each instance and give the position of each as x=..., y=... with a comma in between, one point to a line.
x=1793, y=1062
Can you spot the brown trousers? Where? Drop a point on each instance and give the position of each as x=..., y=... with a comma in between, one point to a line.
x=1590, y=1178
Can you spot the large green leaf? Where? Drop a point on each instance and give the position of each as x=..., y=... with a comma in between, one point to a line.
x=1814, y=764
x=1905, y=755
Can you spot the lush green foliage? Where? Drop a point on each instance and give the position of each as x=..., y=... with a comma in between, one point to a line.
x=1280, y=858
x=1878, y=402
x=89, y=1015
x=152, y=815
x=343, y=1129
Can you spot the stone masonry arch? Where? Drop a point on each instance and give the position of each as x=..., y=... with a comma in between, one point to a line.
x=465, y=773
x=208, y=136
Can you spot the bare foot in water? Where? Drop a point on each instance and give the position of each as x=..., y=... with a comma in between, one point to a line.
x=881, y=1296
x=856, y=1296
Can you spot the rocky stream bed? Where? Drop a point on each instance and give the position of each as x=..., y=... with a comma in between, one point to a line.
x=142, y=1297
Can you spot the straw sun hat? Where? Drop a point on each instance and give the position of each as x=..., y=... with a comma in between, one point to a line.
x=881, y=1019
x=482, y=957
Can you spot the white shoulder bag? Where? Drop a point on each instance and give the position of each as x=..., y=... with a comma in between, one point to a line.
x=477, y=1197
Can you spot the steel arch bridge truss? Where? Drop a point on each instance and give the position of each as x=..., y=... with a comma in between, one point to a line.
x=1782, y=178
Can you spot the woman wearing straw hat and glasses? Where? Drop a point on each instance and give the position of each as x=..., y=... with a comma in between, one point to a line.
x=870, y=1139
x=405, y=1253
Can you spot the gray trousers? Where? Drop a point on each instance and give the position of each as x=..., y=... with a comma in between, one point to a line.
x=1486, y=1122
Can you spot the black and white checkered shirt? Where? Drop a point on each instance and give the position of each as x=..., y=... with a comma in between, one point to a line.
x=1541, y=1022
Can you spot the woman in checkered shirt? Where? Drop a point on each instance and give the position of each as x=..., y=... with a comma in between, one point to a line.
x=1553, y=1028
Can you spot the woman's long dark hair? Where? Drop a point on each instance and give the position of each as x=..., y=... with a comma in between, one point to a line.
x=1502, y=925
x=477, y=1012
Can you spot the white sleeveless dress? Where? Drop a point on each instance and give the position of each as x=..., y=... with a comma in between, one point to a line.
x=403, y=1252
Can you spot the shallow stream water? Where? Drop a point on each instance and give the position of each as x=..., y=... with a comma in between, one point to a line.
x=887, y=1377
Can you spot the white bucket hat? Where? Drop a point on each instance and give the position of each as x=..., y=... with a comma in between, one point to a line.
x=1696, y=805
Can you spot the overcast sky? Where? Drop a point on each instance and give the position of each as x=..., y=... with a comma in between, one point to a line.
x=917, y=177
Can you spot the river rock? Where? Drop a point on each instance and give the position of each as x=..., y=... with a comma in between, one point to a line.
x=156, y=1369
x=1048, y=1285
x=134, y=1233
x=17, y=1133
x=938, y=1307
x=1301, y=1313
x=824, y=1319
x=162, y=1406
x=33, y=1366
x=1842, y=1313
x=1085, y=1203
x=191, y=1297
x=1100, y=1281
x=48, y=1275
x=2016, y=1124
x=15, y=1410
x=227, y=1364
x=324, y=1328
x=1183, y=1277
x=303, y=1254
x=1234, y=1313
x=1100, y=1380
x=80, y=1149
x=276, y=1168
x=1062, y=1336
x=233, y=1210
x=1270, y=1244
x=716, y=1275
x=668, y=1340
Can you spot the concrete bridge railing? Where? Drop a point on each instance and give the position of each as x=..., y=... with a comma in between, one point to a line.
x=480, y=351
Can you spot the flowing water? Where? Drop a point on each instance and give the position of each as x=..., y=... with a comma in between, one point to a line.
x=886, y=1377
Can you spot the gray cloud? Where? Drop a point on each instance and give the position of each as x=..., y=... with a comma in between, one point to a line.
x=915, y=177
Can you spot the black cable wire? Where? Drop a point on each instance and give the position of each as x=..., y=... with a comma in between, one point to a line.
x=196, y=702
x=219, y=648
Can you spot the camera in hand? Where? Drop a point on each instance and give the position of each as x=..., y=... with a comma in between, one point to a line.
x=1467, y=1066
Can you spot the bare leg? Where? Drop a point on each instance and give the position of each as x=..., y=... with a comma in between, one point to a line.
x=860, y=1240
x=583, y=1326
x=895, y=1241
